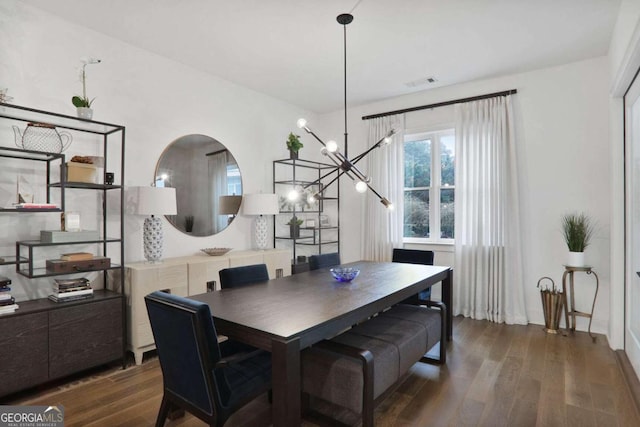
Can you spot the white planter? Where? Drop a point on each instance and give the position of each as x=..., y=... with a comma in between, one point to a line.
x=85, y=113
x=576, y=259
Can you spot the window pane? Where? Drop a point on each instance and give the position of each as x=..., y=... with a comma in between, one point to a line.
x=417, y=163
x=416, y=213
x=447, y=204
x=447, y=159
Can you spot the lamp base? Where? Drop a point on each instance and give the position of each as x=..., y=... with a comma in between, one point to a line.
x=153, y=239
x=261, y=229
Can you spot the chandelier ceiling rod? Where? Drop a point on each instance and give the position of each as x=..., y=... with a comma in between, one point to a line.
x=345, y=19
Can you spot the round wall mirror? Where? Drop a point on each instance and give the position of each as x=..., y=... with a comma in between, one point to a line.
x=207, y=182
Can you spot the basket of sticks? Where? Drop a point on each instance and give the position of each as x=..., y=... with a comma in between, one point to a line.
x=552, y=302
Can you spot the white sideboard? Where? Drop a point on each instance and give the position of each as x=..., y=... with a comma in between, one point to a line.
x=189, y=275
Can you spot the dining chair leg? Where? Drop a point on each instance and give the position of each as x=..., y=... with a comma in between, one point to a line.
x=163, y=412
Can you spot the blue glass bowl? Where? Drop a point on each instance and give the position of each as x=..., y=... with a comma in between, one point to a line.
x=345, y=274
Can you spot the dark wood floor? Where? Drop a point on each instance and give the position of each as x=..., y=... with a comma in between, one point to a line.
x=496, y=375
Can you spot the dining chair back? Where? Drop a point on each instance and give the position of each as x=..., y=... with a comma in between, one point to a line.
x=200, y=376
x=324, y=260
x=414, y=256
x=247, y=274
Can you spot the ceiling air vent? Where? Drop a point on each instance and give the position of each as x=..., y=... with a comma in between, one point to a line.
x=421, y=82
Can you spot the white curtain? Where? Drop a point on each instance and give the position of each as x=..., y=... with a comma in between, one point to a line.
x=218, y=178
x=382, y=230
x=488, y=279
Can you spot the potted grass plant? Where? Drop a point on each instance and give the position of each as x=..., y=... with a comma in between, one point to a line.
x=577, y=230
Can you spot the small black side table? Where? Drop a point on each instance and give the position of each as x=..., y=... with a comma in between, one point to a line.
x=570, y=311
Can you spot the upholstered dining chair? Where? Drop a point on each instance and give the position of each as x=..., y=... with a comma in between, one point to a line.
x=247, y=274
x=414, y=256
x=208, y=379
x=324, y=260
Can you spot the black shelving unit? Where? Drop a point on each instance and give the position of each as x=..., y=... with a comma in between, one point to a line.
x=291, y=174
x=33, y=312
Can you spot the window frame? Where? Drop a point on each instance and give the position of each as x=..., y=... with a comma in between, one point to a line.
x=435, y=189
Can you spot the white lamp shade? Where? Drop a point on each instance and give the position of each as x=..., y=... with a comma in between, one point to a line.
x=229, y=205
x=157, y=201
x=260, y=204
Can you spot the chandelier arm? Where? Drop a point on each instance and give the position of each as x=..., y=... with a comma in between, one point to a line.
x=319, y=180
x=373, y=147
x=315, y=136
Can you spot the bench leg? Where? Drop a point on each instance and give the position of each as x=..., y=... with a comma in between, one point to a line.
x=443, y=333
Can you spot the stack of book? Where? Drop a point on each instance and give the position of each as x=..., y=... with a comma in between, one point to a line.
x=71, y=290
x=7, y=302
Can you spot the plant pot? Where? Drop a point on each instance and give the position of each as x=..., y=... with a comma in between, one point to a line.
x=293, y=155
x=576, y=259
x=294, y=231
x=85, y=113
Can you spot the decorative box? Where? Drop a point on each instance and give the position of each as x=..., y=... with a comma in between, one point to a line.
x=82, y=172
x=57, y=236
x=59, y=266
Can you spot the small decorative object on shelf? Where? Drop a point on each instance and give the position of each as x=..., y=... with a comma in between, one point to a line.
x=42, y=137
x=215, y=251
x=71, y=290
x=76, y=256
x=83, y=103
x=108, y=178
x=57, y=236
x=344, y=274
x=61, y=266
x=71, y=222
x=7, y=302
x=294, y=145
x=294, y=227
x=577, y=230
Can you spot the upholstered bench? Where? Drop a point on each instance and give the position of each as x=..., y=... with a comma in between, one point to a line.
x=356, y=367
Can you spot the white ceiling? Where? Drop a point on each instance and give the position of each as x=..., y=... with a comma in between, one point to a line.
x=292, y=49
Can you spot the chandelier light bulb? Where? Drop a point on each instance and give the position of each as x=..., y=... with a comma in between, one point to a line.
x=311, y=199
x=391, y=207
x=387, y=140
x=301, y=123
x=361, y=186
x=324, y=151
x=293, y=195
x=332, y=146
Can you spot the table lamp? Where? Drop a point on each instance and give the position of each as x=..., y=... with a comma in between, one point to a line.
x=261, y=205
x=155, y=201
x=229, y=205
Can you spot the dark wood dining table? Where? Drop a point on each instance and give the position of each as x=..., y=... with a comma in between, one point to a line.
x=288, y=314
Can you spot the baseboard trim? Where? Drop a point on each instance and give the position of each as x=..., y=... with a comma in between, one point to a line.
x=630, y=378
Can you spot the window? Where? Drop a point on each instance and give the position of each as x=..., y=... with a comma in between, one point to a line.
x=428, y=177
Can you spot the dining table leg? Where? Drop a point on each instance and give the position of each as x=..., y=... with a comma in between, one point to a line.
x=447, y=299
x=285, y=382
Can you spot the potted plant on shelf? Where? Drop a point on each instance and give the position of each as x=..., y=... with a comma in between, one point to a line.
x=294, y=227
x=577, y=230
x=294, y=145
x=83, y=103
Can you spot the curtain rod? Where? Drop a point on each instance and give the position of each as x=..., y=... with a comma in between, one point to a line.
x=442, y=104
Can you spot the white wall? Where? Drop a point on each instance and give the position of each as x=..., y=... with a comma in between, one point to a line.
x=624, y=61
x=562, y=124
x=158, y=100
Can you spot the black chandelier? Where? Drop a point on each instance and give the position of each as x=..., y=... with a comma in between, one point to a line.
x=330, y=149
